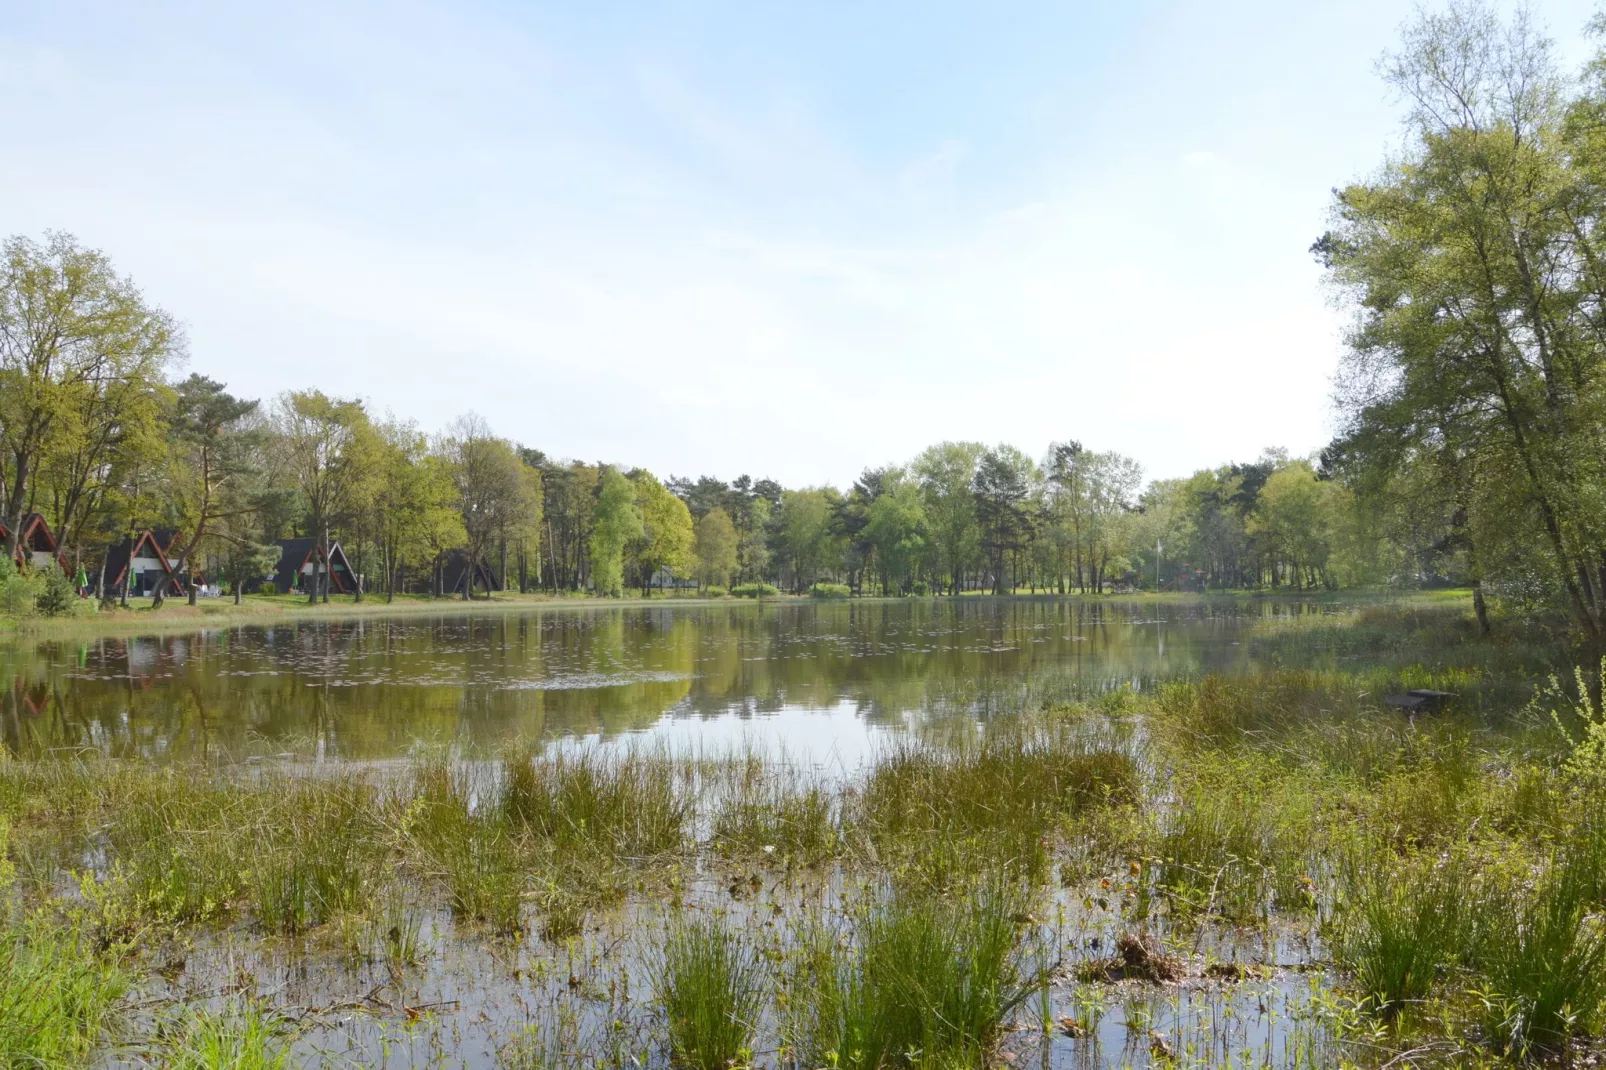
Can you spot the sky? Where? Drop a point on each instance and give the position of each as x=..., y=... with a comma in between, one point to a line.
x=791, y=240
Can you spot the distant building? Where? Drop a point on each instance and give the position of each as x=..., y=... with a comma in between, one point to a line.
x=300, y=560
x=37, y=545
x=141, y=561
x=454, y=567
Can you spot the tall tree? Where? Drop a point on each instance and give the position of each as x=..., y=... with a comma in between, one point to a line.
x=716, y=548
x=945, y=472
x=214, y=448
x=616, y=523
x=493, y=492
x=1003, y=486
x=80, y=354
x=667, y=534
x=327, y=447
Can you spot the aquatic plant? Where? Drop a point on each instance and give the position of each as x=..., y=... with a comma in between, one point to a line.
x=1405, y=923
x=56, y=994
x=1541, y=950
x=711, y=985
x=925, y=977
x=242, y=1036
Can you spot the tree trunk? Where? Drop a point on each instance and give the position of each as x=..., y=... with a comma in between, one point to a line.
x=1480, y=607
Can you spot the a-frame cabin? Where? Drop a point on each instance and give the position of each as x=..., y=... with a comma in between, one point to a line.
x=141, y=560
x=300, y=561
x=37, y=545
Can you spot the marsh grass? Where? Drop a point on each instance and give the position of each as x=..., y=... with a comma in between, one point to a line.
x=997, y=798
x=768, y=811
x=632, y=801
x=1406, y=925
x=56, y=994
x=242, y=1036
x=1541, y=949
x=712, y=985
x=316, y=858
x=1235, y=842
x=923, y=979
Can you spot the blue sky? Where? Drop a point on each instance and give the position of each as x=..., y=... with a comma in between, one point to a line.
x=791, y=240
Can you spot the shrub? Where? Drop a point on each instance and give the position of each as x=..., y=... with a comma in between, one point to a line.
x=19, y=590
x=920, y=588
x=754, y=590
x=830, y=590
x=56, y=597
x=712, y=590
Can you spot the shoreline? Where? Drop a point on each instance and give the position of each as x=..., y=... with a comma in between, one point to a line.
x=179, y=616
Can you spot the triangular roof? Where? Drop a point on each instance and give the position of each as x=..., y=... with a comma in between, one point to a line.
x=294, y=555
x=36, y=536
x=156, y=542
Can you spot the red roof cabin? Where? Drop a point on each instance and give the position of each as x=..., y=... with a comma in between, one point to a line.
x=37, y=545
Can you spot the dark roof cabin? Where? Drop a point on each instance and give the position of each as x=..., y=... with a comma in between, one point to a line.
x=142, y=560
x=455, y=566
x=299, y=560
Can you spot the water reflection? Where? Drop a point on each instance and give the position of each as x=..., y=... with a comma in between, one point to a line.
x=370, y=688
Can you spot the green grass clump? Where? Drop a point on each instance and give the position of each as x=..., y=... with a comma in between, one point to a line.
x=1542, y=952
x=1236, y=843
x=767, y=812
x=629, y=802
x=927, y=980
x=1406, y=924
x=711, y=984
x=56, y=995
x=242, y=1037
x=318, y=859
x=1000, y=797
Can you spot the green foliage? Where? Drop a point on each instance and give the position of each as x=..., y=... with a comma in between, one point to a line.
x=754, y=590
x=711, y=985
x=244, y=1036
x=925, y=980
x=19, y=589
x=716, y=543
x=1542, y=951
x=1406, y=922
x=830, y=590
x=616, y=522
x=57, y=596
x=56, y=995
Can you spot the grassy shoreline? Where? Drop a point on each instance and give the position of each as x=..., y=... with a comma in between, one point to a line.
x=177, y=615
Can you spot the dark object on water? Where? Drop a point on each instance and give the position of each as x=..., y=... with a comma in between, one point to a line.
x=1421, y=700
x=1137, y=958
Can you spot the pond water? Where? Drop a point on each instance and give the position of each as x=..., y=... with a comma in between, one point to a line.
x=822, y=680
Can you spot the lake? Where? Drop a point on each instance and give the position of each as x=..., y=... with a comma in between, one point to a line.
x=824, y=680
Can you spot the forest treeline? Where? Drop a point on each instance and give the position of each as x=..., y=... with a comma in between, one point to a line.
x=101, y=437
x=1472, y=447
